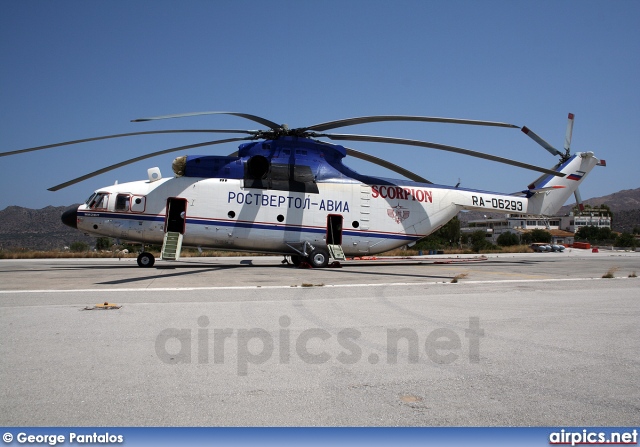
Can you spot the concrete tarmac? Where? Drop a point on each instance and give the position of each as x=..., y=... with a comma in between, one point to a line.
x=521, y=339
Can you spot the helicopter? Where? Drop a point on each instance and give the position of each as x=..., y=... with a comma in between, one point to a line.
x=287, y=191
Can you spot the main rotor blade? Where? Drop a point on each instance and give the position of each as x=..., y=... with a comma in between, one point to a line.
x=386, y=164
x=130, y=134
x=442, y=147
x=535, y=137
x=142, y=157
x=377, y=118
x=257, y=119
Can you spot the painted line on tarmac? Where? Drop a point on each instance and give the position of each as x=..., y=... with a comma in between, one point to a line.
x=311, y=286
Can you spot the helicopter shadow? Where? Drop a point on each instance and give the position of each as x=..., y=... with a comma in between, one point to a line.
x=192, y=271
x=360, y=270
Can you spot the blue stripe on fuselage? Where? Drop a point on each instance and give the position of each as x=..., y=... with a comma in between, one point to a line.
x=254, y=225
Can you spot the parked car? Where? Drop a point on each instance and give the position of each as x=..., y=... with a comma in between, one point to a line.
x=540, y=247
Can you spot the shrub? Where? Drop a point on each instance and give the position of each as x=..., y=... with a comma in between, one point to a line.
x=103, y=243
x=625, y=240
x=508, y=239
x=79, y=246
x=478, y=241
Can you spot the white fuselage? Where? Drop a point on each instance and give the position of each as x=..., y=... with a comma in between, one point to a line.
x=221, y=213
x=364, y=218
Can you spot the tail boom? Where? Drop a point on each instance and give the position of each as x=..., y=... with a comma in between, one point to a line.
x=544, y=197
x=555, y=191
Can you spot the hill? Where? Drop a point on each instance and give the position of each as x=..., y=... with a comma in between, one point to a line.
x=25, y=228
x=625, y=206
x=625, y=200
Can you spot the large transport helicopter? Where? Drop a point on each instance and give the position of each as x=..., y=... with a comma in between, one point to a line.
x=287, y=192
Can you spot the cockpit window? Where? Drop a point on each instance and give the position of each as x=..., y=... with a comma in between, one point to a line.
x=122, y=202
x=88, y=201
x=99, y=201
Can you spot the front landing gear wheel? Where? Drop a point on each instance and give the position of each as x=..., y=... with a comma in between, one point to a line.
x=146, y=259
x=319, y=257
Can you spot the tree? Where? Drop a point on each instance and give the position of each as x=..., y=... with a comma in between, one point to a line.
x=507, y=239
x=625, y=240
x=103, y=243
x=605, y=233
x=446, y=236
x=539, y=235
x=594, y=234
x=587, y=233
x=79, y=246
x=479, y=241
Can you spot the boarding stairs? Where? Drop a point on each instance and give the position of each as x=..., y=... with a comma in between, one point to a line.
x=171, y=246
x=336, y=252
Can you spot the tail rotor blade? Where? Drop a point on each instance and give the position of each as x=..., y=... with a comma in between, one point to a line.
x=535, y=137
x=576, y=194
x=567, y=137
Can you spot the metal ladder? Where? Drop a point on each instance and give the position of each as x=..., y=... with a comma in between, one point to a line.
x=171, y=246
x=336, y=252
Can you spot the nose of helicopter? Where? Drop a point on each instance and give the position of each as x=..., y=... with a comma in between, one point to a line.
x=70, y=217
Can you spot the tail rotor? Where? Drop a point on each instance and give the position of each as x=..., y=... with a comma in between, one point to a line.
x=555, y=152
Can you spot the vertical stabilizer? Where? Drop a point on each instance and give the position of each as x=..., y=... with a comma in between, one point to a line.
x=551, y=192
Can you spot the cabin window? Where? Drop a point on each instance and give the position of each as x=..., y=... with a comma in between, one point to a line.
x=138, y=204
x=122, y=202
x=99, y=201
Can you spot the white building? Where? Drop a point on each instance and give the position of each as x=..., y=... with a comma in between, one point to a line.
x=590, y=217
x=562, y=228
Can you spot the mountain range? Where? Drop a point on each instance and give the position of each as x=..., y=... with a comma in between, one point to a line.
x=41, y=229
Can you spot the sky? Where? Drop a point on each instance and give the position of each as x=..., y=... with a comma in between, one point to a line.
x=78, y=69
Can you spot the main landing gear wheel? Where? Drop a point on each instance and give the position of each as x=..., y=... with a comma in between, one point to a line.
x=296, y=260
x=146, y=259
x=319, y=257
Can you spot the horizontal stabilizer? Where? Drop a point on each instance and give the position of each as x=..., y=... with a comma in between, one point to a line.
x=532, y=191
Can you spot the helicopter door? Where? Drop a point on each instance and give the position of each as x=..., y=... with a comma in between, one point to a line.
x=334, y=229
x=176, y=215
x=334, y=236
x=174, y=229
